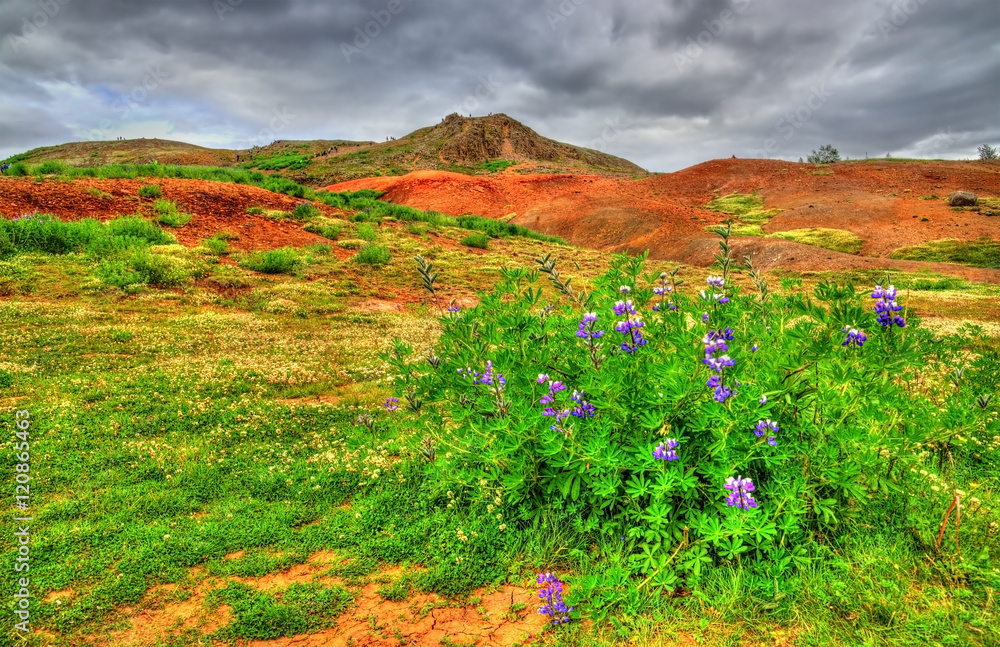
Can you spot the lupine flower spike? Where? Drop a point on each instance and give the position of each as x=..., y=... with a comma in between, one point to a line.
x=551, y=593
x=391, y=404
x=854, y=337
x=763, y=426
x=666, y=452
x=662, y=291
x=886, y=307
x=629, y=327
x=715, y=342
x=740, y=489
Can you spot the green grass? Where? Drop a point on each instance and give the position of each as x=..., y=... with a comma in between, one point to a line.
x=495, y=166
x=97, y=193
x=838, y=240
x=480, y=241
x=984, y=252
x=748, y=210
x=326, y=228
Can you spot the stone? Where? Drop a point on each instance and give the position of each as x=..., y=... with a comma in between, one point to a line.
x=962, y=199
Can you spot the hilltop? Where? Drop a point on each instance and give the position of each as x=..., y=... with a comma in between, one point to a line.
x=466, y=145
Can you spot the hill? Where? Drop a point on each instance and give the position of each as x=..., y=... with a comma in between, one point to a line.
x=467, y=145
x=881, y=207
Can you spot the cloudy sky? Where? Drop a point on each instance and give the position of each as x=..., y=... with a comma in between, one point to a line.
x=664, y=83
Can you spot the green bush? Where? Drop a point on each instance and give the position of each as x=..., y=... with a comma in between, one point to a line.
x=273, y=261
x=366, y=232
x=168, y=214
x=256, y=211
x=216, y=245
x=150, y=191
x=324, y=230
x=641, y=459
x=51, y=167
x=305, y=211
x=481, y=241
x=826, y=154
x=18, y=169
x=374, y=255
x=141, y=267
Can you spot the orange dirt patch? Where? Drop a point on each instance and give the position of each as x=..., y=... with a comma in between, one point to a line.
x=878, y=201
x=425, y=620
x=169, y=610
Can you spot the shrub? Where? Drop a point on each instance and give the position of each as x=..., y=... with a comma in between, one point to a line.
x=51, y=167
x=367, y=232
x=374, y=255
x=825, y=155
x=305, y=211
x=167, y=213
x=692, y=442
x=216, y=245
x=18, y=169
x=150, y=191
x=256, y=211
x=273, y=261
x=987, y=152
x=480, y=241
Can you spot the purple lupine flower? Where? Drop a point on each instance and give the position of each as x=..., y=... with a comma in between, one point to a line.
x=717, y=364
x=454, y=309
x=886, y=306
x=763, y=426
x=661, y=291
x=772, y=441
x=624, y=289
x=716, y=281
x=715, y=342
x=763, y=399
x=714, y=298
x=740, y=489
x=583, y=408
x=629, y=327
x=551, y=592
x=586, y=328
x=753, y=349
x=666, y=452
x=704, y=317
x=542, y=377
x=391, y=404
x=854, y=337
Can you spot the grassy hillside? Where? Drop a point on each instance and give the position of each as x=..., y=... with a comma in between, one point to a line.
x=480, y=145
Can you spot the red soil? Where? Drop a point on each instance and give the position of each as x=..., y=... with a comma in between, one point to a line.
x=664, y=213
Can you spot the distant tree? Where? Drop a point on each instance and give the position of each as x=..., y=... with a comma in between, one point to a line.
x=825, y=155
x=987, y=152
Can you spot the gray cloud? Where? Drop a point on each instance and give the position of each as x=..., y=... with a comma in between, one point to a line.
x=684, y=80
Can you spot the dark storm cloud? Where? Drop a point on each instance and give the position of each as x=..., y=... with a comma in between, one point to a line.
x=664, y=83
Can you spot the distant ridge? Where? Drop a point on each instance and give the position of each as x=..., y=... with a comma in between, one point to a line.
x=470, y=145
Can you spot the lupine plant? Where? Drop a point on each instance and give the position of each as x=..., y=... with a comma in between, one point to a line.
x=657, y=459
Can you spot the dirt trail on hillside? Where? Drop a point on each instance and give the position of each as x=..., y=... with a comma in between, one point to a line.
x=878, y=201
